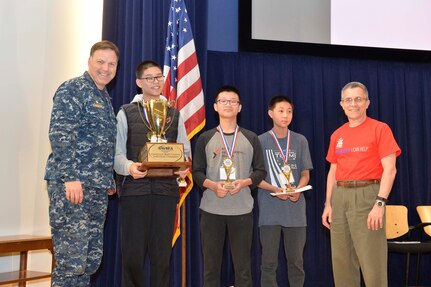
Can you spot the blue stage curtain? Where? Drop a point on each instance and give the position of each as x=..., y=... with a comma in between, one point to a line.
x=138, y=27
x=400, y=96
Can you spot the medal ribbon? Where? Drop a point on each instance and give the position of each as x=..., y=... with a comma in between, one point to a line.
x=284, y=156
x=230, y=150
x=146, y=114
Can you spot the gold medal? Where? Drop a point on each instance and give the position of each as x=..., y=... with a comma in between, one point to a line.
x=286, y=169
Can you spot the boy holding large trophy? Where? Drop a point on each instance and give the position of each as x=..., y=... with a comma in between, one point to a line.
x=227, y=163
x=149, y=126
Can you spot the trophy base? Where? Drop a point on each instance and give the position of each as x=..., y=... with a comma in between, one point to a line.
x=164, y=169
x=229, y=185
x=288, y=190
x=162, y=159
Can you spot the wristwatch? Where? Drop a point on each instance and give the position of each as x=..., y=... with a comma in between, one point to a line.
x=381, y=201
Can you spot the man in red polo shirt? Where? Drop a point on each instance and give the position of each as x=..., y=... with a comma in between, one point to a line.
x=362, y=154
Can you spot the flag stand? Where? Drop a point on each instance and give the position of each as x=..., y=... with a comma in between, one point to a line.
x=183, y=245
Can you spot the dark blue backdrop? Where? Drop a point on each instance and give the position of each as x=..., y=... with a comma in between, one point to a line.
x=399, y=92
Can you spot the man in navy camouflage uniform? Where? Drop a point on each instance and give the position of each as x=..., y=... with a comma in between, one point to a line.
x=79, y=171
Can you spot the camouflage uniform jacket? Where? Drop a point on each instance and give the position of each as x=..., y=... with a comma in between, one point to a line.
x=82, y=133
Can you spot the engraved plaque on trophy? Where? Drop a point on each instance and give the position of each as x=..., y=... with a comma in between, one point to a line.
x=158, y=157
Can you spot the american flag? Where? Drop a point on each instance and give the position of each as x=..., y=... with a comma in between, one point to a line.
x=183, y=82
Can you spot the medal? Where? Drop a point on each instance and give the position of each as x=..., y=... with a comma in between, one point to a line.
x=286, y=170
x=227, y=162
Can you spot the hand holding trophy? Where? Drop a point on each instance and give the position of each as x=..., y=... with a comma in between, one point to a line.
x=228, y=165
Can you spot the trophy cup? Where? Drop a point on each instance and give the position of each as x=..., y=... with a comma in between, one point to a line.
x=228, y=165
x=157, y=111
x=286, y=170
x=158, y=157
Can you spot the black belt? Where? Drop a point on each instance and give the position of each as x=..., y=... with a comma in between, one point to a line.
x=357, y=183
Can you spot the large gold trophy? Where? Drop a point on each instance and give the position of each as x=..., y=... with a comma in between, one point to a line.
x=158, y=157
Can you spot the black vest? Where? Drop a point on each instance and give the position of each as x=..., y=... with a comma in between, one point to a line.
x=136, y=139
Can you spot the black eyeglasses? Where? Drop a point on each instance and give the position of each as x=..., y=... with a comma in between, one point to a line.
x=151, y=79
x=231, y=102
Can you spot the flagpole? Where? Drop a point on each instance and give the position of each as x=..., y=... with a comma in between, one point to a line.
x=182, y=76
x=183, y=245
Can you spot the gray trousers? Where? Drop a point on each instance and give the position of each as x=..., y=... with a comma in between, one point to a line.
x=77, y=234
x=294, y=242
x=354, y=247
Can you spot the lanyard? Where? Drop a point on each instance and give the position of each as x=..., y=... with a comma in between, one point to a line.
x=229, y=150
x=284, y=156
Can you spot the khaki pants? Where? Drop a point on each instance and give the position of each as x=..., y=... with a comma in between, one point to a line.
x=354, y=247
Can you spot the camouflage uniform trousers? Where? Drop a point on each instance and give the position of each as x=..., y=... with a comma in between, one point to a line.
x=77, y=234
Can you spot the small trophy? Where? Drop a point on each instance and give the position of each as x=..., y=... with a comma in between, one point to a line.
x=158, y=157
x=287, y=171
x=228, y=165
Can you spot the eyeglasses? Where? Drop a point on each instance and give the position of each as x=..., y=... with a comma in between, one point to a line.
x=151, y=79
x=231, y=102
x=357, y=100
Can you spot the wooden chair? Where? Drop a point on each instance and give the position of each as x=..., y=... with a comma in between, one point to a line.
x=397, y=227
x=424, y=212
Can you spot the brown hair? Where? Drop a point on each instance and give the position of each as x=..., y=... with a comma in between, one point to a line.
x=105, y=45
